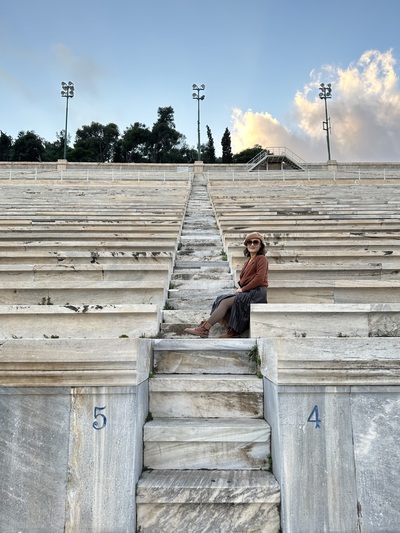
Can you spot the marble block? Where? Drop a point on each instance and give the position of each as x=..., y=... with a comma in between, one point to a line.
x=208, y=501
x=206, y=396
x=331, y=361
x=77, y=294
x=92, y=321
x=210, y=356
x=34, y=441
x=105, y=458
x=74, y=362
x=325, y=320
x=313, y=457
x=376, y=427
x=206, y=443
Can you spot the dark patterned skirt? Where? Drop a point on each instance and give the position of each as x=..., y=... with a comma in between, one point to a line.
x=238, y=317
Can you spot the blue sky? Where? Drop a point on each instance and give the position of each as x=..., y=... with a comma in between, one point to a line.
x=261, y=61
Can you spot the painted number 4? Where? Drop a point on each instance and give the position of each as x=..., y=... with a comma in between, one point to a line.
x=314, y=417
x=100, y=418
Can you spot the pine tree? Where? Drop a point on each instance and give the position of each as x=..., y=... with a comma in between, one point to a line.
x=209, y=150
x=226, y=147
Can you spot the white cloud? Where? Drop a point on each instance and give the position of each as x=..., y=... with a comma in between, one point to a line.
x=364, y=112
x=82, y=70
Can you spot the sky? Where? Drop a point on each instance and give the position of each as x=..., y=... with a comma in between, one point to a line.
x=262, y=62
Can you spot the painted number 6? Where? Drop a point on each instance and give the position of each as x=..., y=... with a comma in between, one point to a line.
x=100, y=419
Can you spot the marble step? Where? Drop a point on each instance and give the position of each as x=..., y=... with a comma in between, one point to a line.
x=189, y=305
x=223, y=395
x=191, y=317
x=181, y=264
x=188, y=289
x=210, y=356
x=176, y=331
x=197, y=443
x=212, y=247
x=208, y=501
x=197, y=274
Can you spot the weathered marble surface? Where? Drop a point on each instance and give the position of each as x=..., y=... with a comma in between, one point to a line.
x=38, y=321
x=104, y=465
x=210, y=356
x=74, y=362
x=208, y=501
x=376, y=429
x=60, y=474
x=209, y=396
x=206, y=443
x=331, y=361
x=334, y=447
x=69, y=259
x=298, y=271
x=80, y=293
x=333, y=291
x=317, y=470
x=325, y=320
x=34, y=440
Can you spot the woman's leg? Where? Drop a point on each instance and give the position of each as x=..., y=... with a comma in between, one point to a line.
x=218, y=314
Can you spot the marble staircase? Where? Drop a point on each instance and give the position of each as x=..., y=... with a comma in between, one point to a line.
x=207, y=445
x=201, y=270
x=207, y=448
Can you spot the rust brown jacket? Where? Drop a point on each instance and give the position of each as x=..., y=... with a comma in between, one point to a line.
x=254, y=273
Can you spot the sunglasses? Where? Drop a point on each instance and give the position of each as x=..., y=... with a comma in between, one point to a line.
x=254, y=242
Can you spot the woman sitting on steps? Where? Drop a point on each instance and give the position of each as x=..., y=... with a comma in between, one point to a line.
x=234, y=309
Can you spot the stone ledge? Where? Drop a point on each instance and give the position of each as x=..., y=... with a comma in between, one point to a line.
x=334, y=361
x=217, y=486
x=325, y=320
x=88, y=321
x=74, y=362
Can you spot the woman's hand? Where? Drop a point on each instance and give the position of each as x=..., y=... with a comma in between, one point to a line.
x=239, y=290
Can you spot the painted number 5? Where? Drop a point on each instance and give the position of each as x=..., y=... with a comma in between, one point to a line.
x=314, y=417
x=100, y=419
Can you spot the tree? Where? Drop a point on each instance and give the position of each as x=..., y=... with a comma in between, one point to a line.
x=226, y=147
x=96, y=143
x=6, y=147
x=28, y=147
x=209, y=149
x=247, y=155
x=164, y=136
x=136, y=143
x=183, y=153
x=55, y=150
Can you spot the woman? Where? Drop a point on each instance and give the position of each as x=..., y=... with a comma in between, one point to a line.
x=234, y=309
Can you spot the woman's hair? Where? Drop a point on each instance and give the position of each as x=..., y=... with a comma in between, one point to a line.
x=261, y=251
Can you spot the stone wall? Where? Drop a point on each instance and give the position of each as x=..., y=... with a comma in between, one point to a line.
x=333, y=408
x=70, y=456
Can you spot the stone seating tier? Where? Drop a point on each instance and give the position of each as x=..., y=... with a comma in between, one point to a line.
x=386, y=258
x=325, y=320
x=55, y=291
x=74, y=362
x=87, y=321
x=32, y=258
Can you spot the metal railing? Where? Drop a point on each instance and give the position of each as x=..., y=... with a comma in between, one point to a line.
x=353, y=175
x=276, y=151
x=181, y=174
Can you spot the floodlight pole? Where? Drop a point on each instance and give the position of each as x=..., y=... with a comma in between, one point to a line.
x=326, y=92
x=198, y=98
x=67, y=91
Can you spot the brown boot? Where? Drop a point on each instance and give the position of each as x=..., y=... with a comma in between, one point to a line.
x=200, y=330
x=230, y=334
